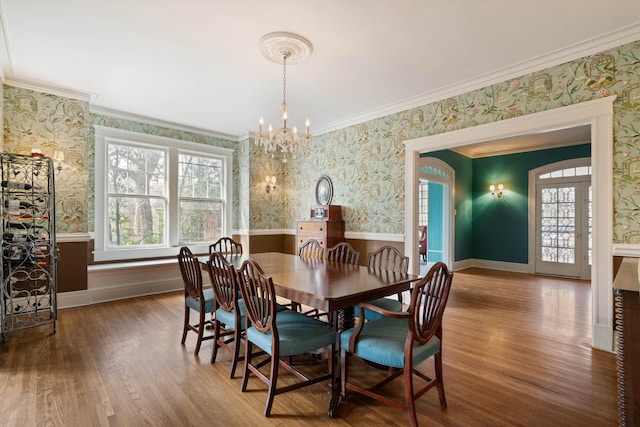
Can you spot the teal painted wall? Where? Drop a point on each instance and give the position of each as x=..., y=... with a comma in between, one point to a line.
x=500, y=226
x=490, y=228
x=436, y=217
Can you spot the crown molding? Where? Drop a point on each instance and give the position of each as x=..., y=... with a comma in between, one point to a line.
x=577, y=50
x=581, y=49
x=43, y=87
x=5, y=55
x=117, y=114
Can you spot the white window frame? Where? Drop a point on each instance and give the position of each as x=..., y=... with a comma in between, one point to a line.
x=173, y=147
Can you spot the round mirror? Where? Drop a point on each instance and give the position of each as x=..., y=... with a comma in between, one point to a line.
x=324, y=191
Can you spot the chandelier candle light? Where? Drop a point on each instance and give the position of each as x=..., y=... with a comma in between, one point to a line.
x=283, y=47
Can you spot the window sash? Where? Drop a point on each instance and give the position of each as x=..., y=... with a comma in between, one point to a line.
x=174, y=150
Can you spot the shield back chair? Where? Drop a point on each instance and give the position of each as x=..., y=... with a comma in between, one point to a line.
x=390, y=259
x=422, y=242
x=344, y=253
x=195, y=297
x=226, y=246
x=279, y=334
x=401, y=341
x=230, y=309
x=311, y=249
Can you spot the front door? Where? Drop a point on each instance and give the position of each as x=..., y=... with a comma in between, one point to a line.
x=563, y=226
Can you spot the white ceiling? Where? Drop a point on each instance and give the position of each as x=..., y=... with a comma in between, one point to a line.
x=197, y=64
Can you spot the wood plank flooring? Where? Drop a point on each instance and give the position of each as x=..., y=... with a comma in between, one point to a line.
x=516, y=353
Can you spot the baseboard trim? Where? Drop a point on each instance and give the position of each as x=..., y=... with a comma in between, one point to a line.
x=512, y=267
x=117, y=281
x=603, y=337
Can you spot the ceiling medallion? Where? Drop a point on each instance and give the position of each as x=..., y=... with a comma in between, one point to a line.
x=283, y=48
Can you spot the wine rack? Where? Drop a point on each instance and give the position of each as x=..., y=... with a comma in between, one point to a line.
x=29, y=250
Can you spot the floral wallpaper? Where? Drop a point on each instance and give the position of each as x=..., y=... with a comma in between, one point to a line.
x=366, y=161
x=49, y=122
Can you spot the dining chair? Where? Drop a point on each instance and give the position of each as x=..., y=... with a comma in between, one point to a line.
x=311, y=249
x=195, y=297
x=226, y=245
x=343, y=252
x=279, y=334
x=401, y=341
x=390, y=259
x=230, y=310
x=422, y=242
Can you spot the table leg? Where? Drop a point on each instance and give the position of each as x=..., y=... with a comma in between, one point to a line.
x=342, y=320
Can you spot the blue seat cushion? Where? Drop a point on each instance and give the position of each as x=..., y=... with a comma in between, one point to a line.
x=382, y=341
x=194, y=303
x=298, y=334
x=386, y=303
x=229, y=318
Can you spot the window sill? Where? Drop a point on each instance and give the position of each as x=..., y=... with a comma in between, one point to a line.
x=131, y=255
x=131, y=264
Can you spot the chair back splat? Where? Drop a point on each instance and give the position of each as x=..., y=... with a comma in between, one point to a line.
x=428, y=302
x=226, y=245
x=401, y=341
x=259, y=296
x=390, y=259
x=311, y=249
x=230, y=311
x=191, y=272
x=344, y=253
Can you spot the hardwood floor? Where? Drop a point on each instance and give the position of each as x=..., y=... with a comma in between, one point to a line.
x=516, y=352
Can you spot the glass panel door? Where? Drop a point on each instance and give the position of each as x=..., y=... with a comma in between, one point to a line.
x=563, y=229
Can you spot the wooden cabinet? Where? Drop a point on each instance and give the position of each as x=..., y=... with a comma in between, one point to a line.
x=627, y=314
x=328, y=233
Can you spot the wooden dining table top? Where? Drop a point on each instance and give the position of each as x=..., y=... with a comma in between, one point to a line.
x=325, y=285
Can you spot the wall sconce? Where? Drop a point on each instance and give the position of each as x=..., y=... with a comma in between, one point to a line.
x=497, y=192
x=269, y=183
x=58, y=157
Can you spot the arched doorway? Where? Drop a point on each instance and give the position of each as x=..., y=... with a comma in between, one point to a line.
x=435, y=210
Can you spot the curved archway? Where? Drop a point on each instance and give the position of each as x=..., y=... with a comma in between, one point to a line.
x=434, y=170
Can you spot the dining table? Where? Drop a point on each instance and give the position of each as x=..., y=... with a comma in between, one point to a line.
x=330, y=286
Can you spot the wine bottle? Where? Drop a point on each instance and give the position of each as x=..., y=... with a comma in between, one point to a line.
x=17, y=185
x=23, y=225
x=22, y=204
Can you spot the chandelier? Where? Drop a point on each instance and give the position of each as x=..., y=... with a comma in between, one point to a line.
x=281, y=47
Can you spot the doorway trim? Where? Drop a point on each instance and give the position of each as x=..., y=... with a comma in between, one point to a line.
x=599, y=114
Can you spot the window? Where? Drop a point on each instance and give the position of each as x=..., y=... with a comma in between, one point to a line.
x=155, y=194
x=201, y=207
x=423, y=201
